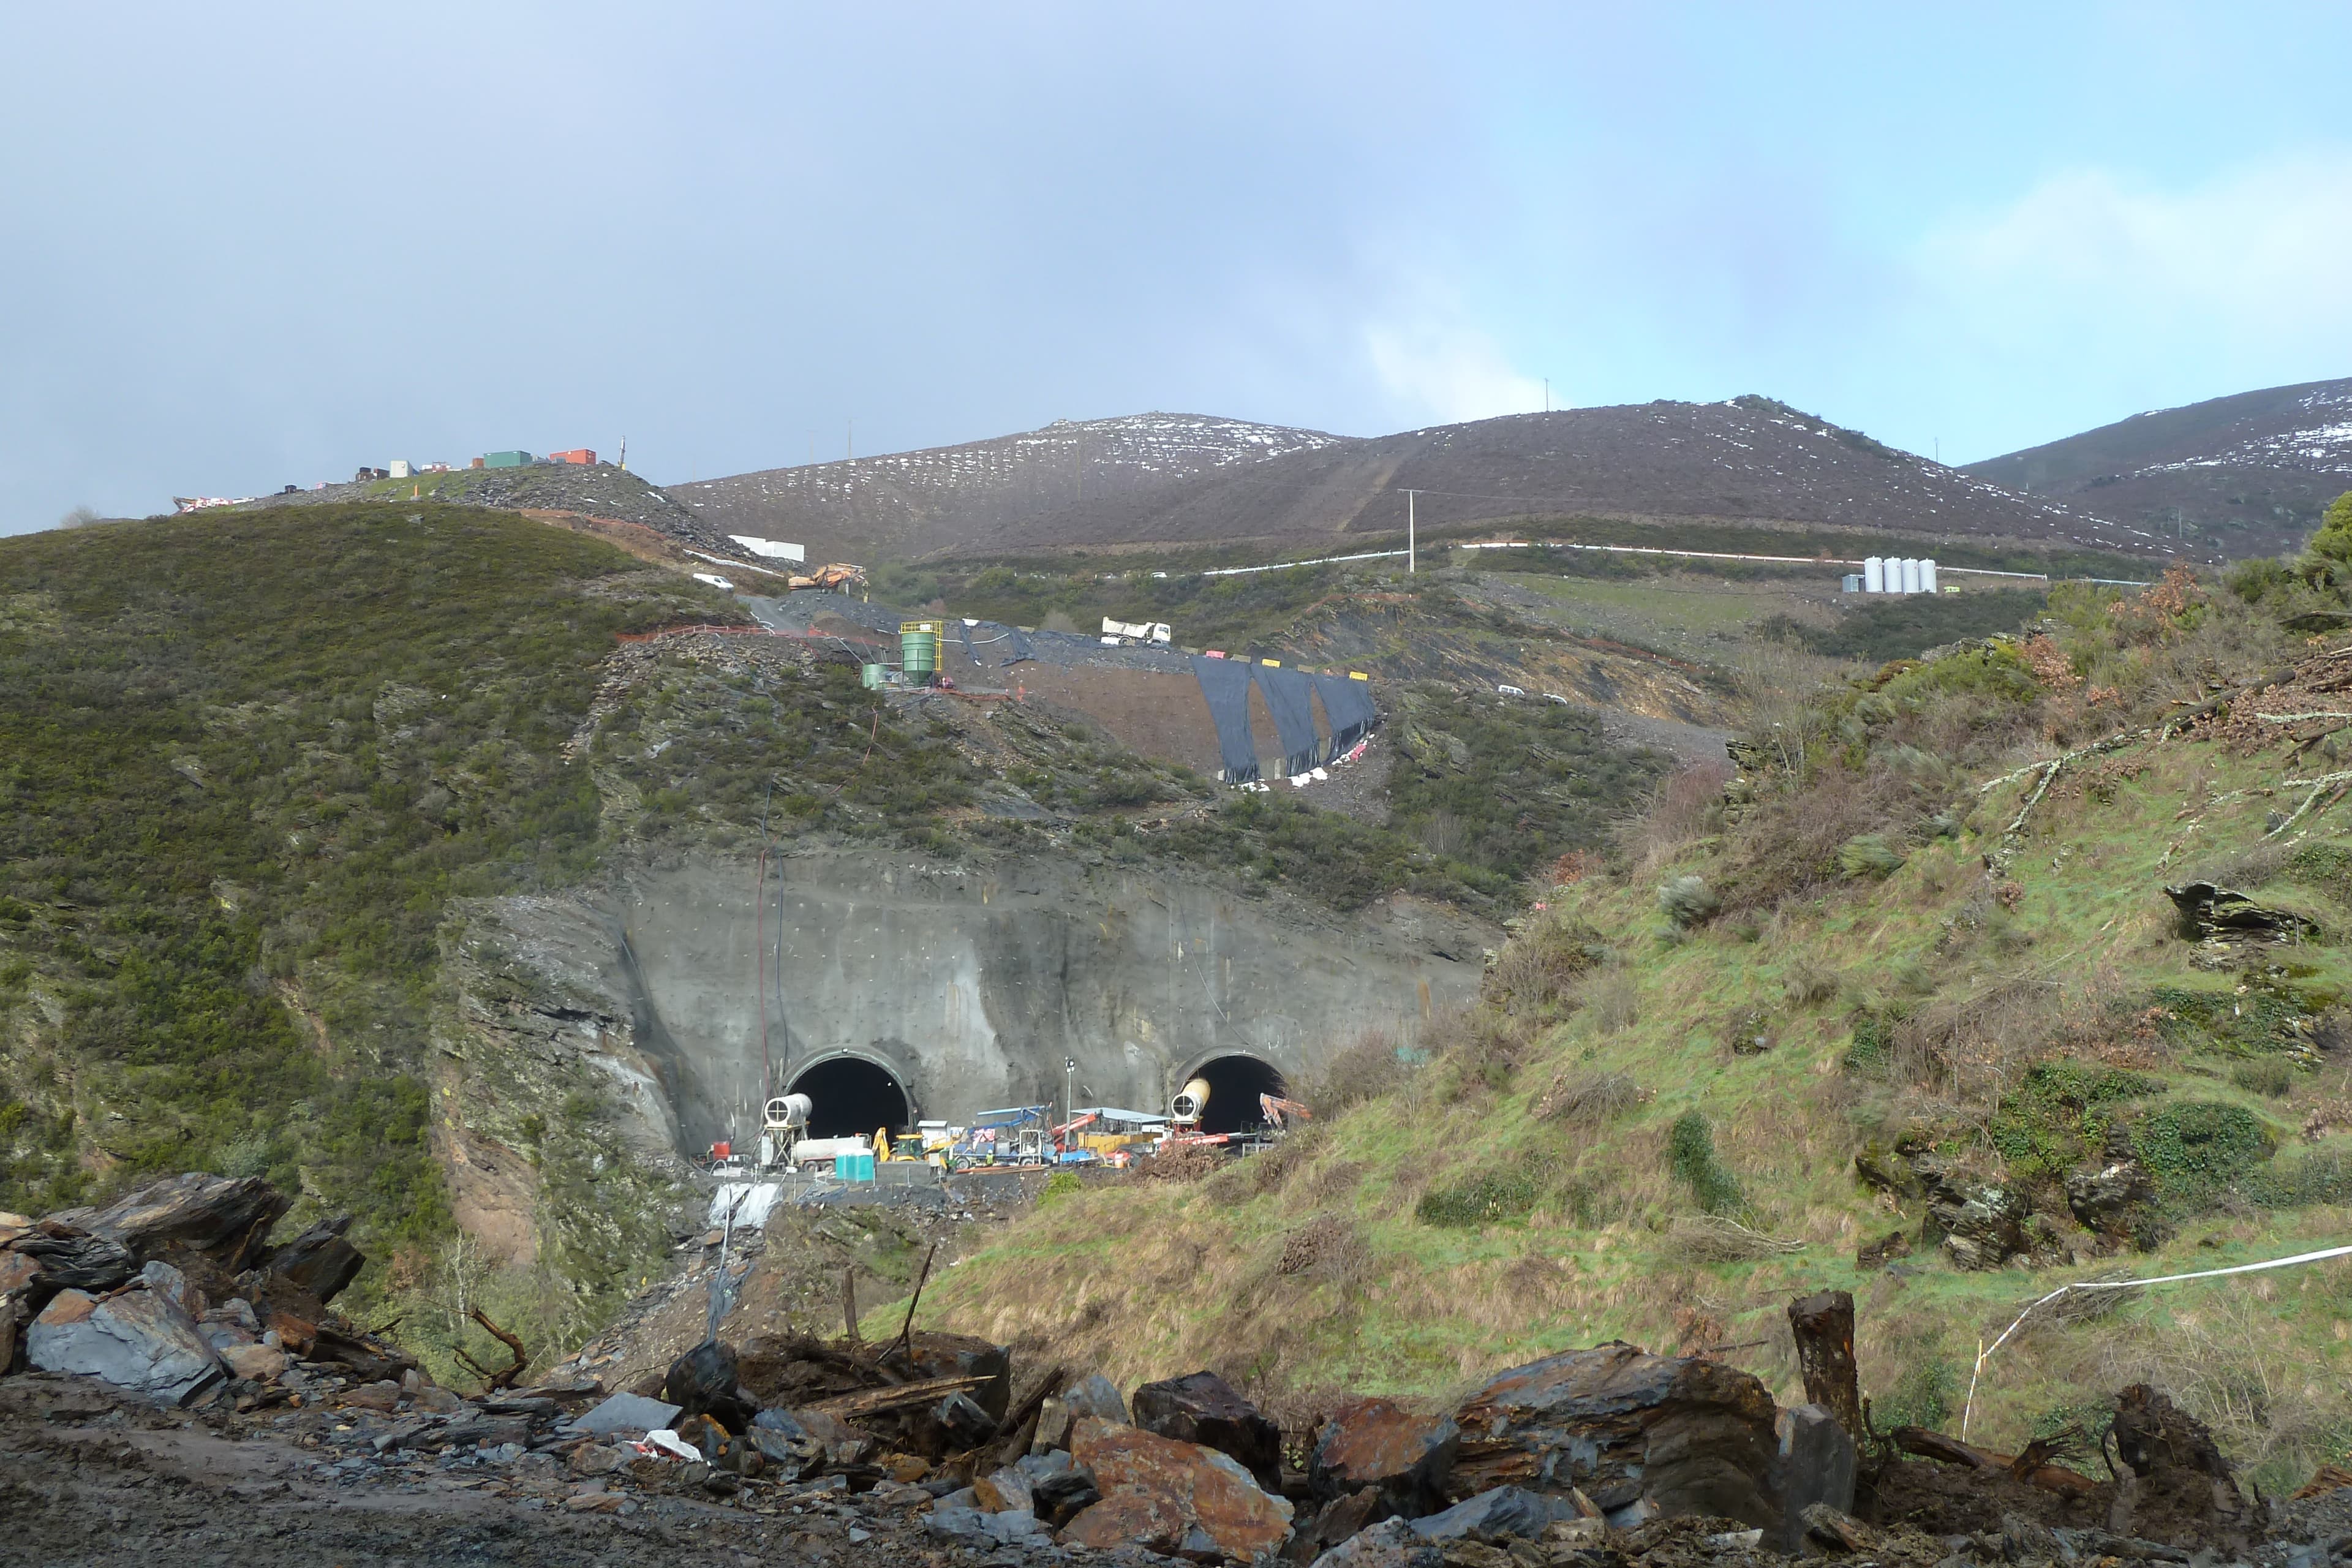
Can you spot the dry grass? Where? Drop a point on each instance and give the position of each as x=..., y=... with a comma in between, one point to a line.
x=1686, y=807
x=1365, y=1068
x=1717, y=1239
x=1588, y=1098
x=1616, y=1004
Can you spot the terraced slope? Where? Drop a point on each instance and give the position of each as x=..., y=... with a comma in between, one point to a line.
x=914, y=503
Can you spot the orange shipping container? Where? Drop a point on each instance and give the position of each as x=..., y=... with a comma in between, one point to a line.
x=583, y=456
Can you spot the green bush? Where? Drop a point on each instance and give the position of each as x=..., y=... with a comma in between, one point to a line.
x=2270, y=1077
x=1909, y=625
x=1690, y=1152
x=1059, y=1185
x=1511, y=1192
x=2194, y=1149
x=1922, y=1396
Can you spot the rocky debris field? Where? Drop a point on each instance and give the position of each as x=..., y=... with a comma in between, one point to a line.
x=151, y=1419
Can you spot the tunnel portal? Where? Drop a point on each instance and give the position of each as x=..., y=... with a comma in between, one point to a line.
x=1234, y=1084
x=850, y=1095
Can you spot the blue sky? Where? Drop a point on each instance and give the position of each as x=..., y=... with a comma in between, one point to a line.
x=248, y=245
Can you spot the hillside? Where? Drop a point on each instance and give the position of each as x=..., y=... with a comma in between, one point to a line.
x=1749, y=460
x=904, y=504
x=598, y=490
x=345, y=845
x=1905, y=1011
x=2239, y=476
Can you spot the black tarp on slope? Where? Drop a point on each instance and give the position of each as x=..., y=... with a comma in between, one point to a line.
x=1348, y=705
x=1225, y=688
x=1291, y=701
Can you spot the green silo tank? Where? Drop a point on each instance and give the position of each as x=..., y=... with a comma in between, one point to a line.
x=919, y=650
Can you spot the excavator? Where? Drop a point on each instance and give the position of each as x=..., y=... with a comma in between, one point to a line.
x=840, y=577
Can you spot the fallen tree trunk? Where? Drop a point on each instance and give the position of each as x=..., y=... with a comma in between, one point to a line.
x=905, y=1397
x=1947, y=1450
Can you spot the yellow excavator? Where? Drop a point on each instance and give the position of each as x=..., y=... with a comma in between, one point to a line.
x=840, y=577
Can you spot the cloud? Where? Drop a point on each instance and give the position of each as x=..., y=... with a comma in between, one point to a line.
x=1436, y=365
x=2088, y=274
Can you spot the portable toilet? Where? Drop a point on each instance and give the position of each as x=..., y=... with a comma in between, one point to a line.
x=858, y=1167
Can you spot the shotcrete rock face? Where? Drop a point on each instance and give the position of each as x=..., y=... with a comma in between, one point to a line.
x=965, y=988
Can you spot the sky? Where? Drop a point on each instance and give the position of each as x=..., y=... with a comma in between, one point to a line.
x=248, y=245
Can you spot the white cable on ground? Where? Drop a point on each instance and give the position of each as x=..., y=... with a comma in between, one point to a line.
x=1969, y=1410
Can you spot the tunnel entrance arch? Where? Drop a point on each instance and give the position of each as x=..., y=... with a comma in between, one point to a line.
x=1235, y=1080
x=849, y=1094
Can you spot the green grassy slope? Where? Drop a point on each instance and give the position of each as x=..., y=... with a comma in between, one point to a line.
x=246, y=761
x=1562, y=1170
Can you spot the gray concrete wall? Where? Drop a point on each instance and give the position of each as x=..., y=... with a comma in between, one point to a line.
x=974, y=984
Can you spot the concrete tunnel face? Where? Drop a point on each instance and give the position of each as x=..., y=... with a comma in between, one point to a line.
x=966, y=989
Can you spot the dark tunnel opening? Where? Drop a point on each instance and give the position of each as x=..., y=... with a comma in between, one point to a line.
x=849, y=1095
x=1234, y=1084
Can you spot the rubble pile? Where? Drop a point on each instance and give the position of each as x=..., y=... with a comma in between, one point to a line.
x=936, y=1448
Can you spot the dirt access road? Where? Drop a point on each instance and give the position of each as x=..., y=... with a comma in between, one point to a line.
x=90, y=1478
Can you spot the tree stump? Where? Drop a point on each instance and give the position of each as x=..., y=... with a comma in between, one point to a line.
x=1824, y=1326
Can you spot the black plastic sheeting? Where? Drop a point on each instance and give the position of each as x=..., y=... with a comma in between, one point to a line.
x=1347, y=704
x=1225, y=688
x=990, y=633
x=1291, y=700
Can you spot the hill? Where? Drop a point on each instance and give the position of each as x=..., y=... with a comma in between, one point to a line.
x=1906, y=1010
x=917, y=503
x=1750, y=460
x=589, y=490
x=2245, y=475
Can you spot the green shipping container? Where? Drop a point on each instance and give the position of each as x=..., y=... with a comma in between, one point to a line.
x=505, y=459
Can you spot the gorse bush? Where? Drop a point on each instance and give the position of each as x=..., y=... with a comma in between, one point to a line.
x=1690, y=1153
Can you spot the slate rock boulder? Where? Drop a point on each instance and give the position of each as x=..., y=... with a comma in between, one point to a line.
x=211, y=1228
x=141, y=1339
x=319, y=1262
x=1982, y=1223
x=1377, y=1445
x=1499, y=1513
x=1641, y=1436
x=1200, y=1407
x=704, y=1382
x=1171, y=1497
x=1389, y=1544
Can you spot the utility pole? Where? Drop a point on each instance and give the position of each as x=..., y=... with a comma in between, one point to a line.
x=1069, y=1096
x=1411, y=559
x=625, y=455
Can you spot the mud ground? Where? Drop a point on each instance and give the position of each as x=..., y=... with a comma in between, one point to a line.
x=86, y=1478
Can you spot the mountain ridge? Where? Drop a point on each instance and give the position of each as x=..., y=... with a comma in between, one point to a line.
x=2247, y=474
x=1749, y=458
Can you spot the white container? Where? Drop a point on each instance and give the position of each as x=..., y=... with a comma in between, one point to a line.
x=399, y=468
x=1928, y=577
x=1873, y=575
x=1910, y=575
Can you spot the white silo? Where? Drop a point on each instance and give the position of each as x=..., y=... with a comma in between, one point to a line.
x=1874, y=574
x=1928, y=576
x=1910, y=575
